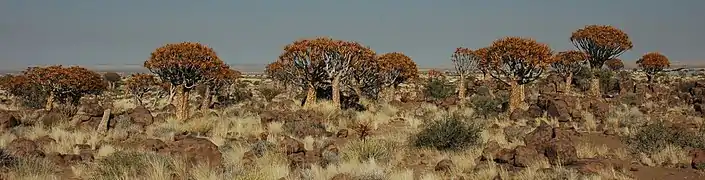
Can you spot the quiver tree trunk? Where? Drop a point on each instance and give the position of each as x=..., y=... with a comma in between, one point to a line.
x=182, y=103
x=336, y=91
x=207, y=99
x=172, y=93
x=568, y=83
x=310, y=95
x=461, y=87
x=516, y=97
x=388, y=94
x=595, y=86
x=50, y=101
x=650, y=78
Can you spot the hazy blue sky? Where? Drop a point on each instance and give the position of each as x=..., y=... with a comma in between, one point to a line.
x=126, y=31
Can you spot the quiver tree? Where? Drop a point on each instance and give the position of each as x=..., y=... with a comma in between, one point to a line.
x=139, y=85
x=517, y=61
x=215, y=81
x=615, y=64
x=64, y=84
x=339, y=63
x=483, y=62
x=396, y=68
x=302, y=64
x=652, y=63
x=276, y=72
x=365, y=79
x=23, y=90
x=466, y=63
x=600, y=43
x=435, y=74
x=112, y=78
x=183, y=66
x=567, y=63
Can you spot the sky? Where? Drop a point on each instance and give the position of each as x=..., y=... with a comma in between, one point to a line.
x=69, y=32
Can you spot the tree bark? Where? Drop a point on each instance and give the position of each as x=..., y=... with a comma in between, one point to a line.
x=310, y=95
x=461, y=87
x=516, y=98
x=568, y=83
x=182, y=103
x=172, y=93
x=103, y=127
x=336, y=91
x=50, y=102
x=207, y=99
x=595, y=86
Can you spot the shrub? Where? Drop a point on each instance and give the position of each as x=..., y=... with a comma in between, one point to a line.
x=657, y=136
x=438, y=88
x=270, y=91
x=487, y=105
x=608, y=81
x=581, y=79
x=364, y=150
x=121, y=165
x=449, y=133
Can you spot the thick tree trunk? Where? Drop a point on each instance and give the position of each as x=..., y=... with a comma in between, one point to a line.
x=516, y=98
x=182, y=111
x=310, y=96
x=650, y=78
x=50, y=102
x=568, y=83
x=595, y=86
x=172, y=93
x=103, y=127
x=336, y=91
x=461, y=87
x=207, y=99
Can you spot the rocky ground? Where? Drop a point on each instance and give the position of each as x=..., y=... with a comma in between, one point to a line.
x=636, y=131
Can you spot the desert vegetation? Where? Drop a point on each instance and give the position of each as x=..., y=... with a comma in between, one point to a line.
x=336, y=109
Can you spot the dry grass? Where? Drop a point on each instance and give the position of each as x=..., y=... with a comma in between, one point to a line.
x=386, y=154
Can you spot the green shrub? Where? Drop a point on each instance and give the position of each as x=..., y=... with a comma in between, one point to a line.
x=657, y=136
x=439, y=88
x=488, y=106
x=449, y=133
x=608, y=82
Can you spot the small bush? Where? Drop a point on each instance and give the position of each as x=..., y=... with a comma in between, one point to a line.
x=487, y=105
x=438, y=88
x=581, y=79
x=121, y=165
x=657, y=136
x=270, y=91
x=608, y=82
x=364, y=150
x=449, y=133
